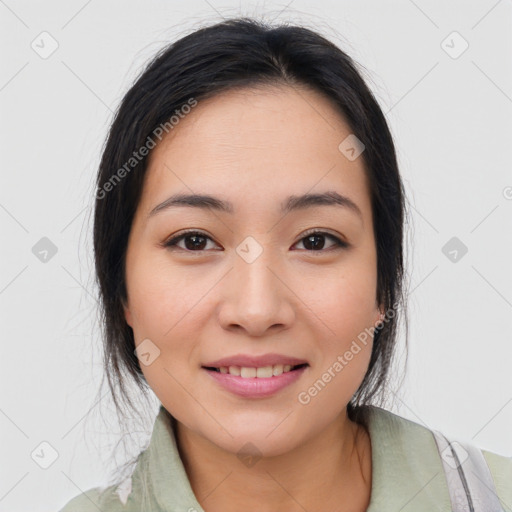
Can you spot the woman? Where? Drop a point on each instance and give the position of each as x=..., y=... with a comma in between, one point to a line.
x=248, y=242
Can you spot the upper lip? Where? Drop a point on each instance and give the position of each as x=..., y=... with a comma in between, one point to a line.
x=249, y=361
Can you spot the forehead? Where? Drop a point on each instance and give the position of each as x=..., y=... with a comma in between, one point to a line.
x=256, y=146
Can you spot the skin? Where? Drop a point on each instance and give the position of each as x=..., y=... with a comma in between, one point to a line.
x=255, y=147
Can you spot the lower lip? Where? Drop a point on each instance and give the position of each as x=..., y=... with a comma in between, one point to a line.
x=255, y=387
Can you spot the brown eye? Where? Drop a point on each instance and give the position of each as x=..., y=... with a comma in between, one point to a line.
x=315, y=241
x=194, y=241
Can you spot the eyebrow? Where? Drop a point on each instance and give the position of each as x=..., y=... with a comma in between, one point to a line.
x=292, y=203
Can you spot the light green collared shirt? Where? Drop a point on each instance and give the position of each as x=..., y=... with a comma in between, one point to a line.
x=407, y=473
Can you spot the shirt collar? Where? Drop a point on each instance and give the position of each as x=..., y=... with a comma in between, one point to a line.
x=407, y=473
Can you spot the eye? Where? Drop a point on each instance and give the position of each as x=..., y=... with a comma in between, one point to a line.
x=314, y=241
x=194, y=241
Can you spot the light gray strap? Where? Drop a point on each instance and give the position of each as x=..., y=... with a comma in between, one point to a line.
x=469, y=479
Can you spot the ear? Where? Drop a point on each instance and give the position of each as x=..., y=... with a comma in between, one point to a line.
x=380, y=316
x=127, y=313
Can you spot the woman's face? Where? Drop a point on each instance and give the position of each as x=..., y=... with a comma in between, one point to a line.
x=253, y=281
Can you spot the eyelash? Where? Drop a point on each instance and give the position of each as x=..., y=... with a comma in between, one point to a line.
x=339, y=244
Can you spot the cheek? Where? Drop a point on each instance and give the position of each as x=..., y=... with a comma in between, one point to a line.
x=347, y=300
x=346, y=305
x=346, y=350
x=169, y=307
x=166, y=309
x=162, y=297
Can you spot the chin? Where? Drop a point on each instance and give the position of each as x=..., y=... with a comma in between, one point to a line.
x=256, y=444
x=265, y=435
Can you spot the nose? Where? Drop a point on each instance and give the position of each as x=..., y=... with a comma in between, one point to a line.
x=256, y=298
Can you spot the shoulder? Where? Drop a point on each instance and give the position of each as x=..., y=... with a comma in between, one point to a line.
x=92, y=500
x=501, y=470
x=414, y=444
x=158, y=477
x=124, y=496
x=388, y=427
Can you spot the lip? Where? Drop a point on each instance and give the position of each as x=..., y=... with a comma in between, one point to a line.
x=255, y=361
x=256, y=387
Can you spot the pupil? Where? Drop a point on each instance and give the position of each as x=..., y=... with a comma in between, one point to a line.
x=198, y=242
x=195, y=244
x=310, y=238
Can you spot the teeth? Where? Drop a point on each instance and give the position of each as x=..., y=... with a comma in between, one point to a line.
x=266, y=371
x=234, y=370
x=263, y=372
x=277, y=369
x=247, y=372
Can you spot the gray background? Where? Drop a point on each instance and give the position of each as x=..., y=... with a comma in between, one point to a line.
x=450, y=113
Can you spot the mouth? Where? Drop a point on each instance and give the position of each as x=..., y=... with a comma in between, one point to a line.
x=260, y=382
x=262, y=372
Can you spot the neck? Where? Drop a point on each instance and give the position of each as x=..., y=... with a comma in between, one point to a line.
x=330, y=472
